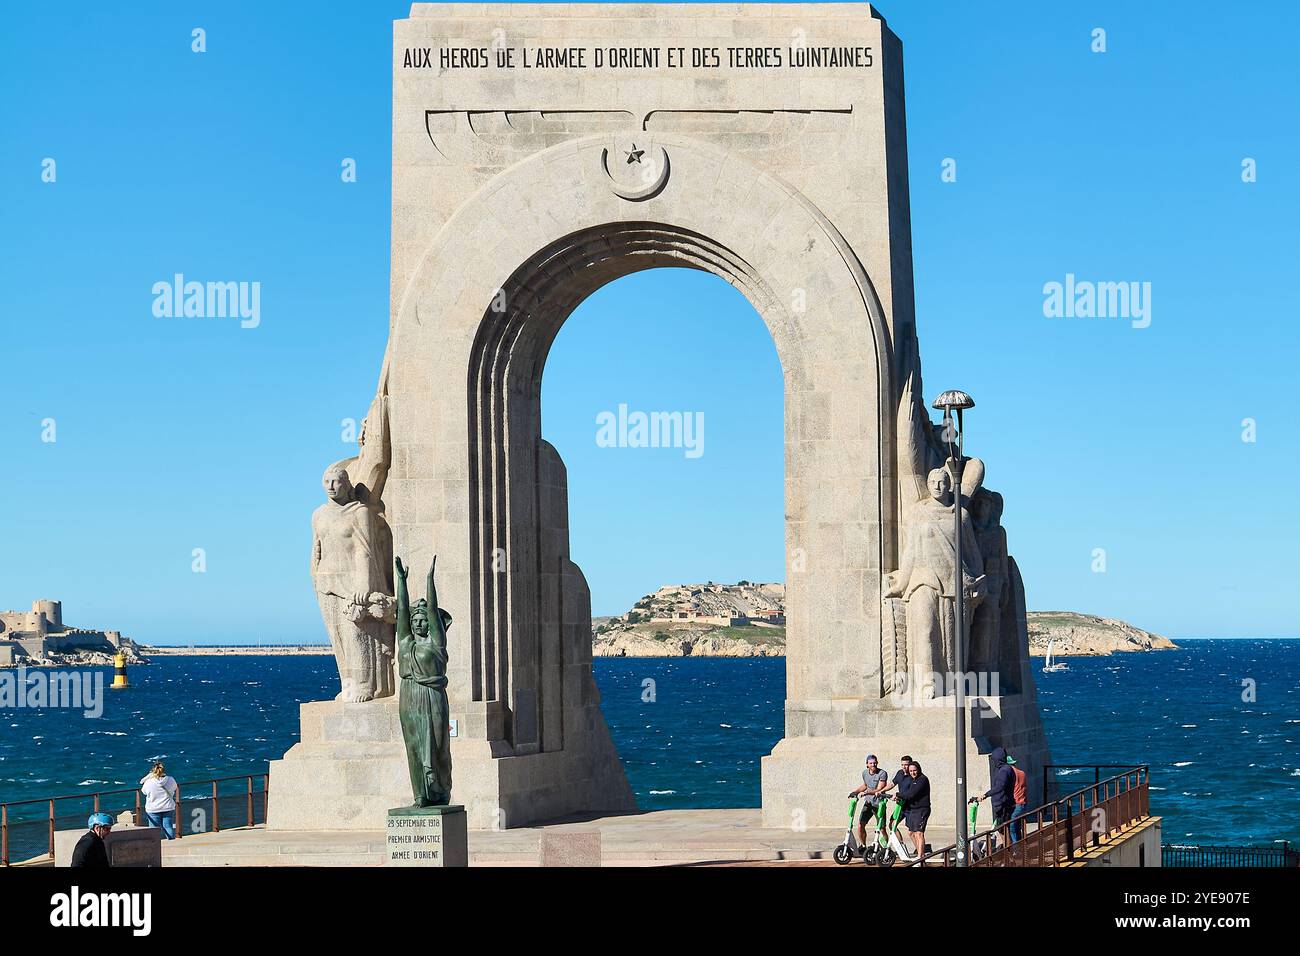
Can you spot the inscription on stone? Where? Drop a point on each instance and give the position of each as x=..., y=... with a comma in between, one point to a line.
x=415, y=841
x=427, y=836
x=798, y=56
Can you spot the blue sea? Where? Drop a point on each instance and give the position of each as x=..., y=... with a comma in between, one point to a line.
x=1218, y=722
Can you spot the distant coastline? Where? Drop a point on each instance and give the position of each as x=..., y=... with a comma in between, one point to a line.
x=748, y=620
x=1071, y=634
x=249, y=650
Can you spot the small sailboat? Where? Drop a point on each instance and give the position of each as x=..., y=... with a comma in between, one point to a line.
x=1052, y=667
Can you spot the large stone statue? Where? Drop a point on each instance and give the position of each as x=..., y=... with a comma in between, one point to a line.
x=351, y=550
x=986, y=626
x=924, y=581
x=351, y=565
x=422, y=703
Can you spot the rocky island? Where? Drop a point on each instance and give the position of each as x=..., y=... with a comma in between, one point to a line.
x=748, y=620
x=697, y=620
x=1085, y=635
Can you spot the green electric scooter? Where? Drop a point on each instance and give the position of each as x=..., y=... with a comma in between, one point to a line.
x=881, y=842
x=978, y=849
x=850, y=848
x=892, y=847
x=975, y=849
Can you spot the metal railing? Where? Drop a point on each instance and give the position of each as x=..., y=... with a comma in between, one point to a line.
x=27, y=827
x=1180, y=854
x=1055, y=832
x=1052, y=781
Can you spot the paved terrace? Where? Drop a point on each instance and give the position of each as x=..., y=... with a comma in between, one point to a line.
x=660, y=838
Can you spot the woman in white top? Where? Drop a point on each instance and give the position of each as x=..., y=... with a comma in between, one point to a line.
x=161, y=794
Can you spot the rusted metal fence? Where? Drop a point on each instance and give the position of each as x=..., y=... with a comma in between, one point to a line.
x=1057, y=832
x=1180, y=854
x=27, y=827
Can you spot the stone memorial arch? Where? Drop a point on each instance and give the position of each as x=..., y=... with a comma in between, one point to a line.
x=540, y=152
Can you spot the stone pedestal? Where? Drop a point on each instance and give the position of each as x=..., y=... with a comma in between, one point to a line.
x=427, y=836
x=346, y=771
x=806, y=777
x=129, y=846
x=349, y=768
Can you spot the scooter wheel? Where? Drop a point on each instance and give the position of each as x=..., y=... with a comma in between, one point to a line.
x=869, y=855
x=888, y=858
x=842, y=855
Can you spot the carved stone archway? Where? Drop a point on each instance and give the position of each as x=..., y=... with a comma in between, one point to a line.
x=517, y=192
x=473, y=481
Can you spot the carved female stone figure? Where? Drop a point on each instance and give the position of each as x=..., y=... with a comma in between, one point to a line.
x=351, y=563
x=422, y=701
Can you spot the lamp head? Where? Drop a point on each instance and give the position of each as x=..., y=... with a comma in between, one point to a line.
x=953, y=399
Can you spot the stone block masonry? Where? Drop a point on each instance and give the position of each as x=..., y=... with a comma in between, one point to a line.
x=541, y=151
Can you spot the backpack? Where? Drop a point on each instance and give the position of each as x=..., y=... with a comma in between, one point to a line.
x=1020, y=783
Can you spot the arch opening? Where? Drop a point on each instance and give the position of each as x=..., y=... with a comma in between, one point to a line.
x=663, y=395
x=517, y=483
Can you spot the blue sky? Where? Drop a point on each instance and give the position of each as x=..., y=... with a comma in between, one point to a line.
x=176, y=435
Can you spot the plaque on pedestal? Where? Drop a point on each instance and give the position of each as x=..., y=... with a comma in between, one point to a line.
x=427, y=836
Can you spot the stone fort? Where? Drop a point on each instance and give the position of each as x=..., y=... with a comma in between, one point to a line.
x=36, y=634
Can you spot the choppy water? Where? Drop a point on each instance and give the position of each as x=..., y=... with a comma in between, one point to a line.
x=1224, y=769
x=204, y=716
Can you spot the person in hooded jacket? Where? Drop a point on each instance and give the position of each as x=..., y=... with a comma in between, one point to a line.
x=914, y=792
x=1002, y=792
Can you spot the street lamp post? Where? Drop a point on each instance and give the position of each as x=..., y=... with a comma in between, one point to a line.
x=949, y=402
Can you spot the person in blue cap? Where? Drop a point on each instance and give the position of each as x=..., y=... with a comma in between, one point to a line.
x=90, y=851
x=875, y=782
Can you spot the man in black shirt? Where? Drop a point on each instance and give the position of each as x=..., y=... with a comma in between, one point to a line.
x=914, y=791
x=901, y=775
x=90, y=851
